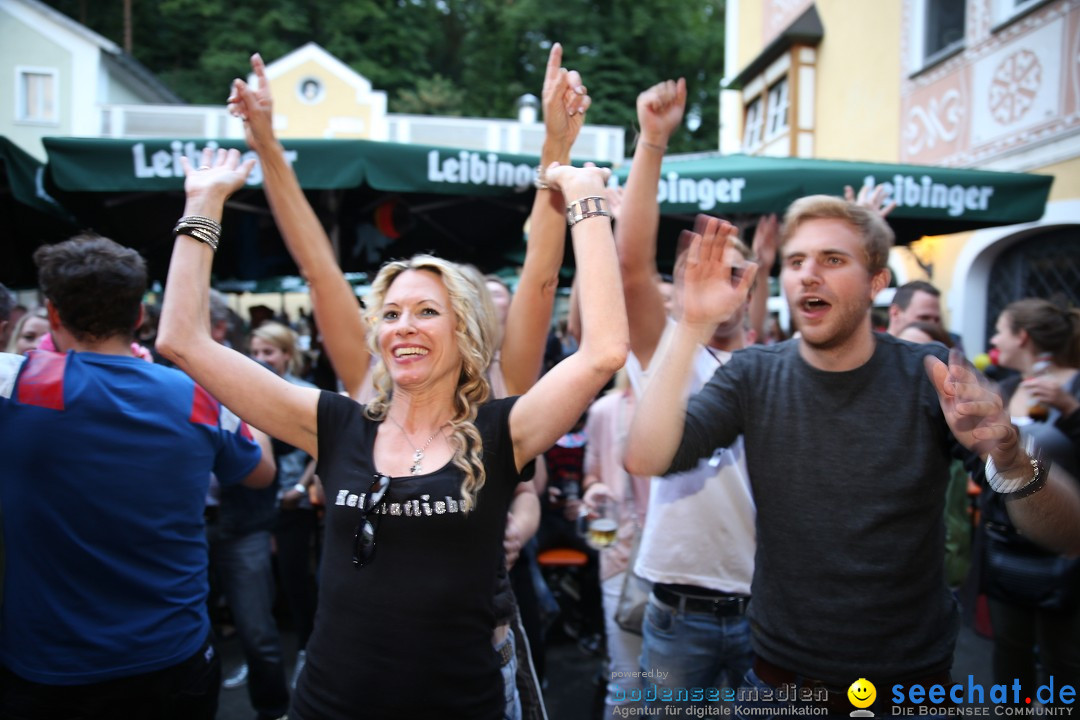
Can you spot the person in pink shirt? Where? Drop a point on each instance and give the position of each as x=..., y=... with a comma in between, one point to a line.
x=606, y=480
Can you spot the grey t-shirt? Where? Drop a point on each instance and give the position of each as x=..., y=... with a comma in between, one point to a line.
x=849, y=471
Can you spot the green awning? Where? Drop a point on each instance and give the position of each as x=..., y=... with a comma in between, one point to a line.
x=134, y=165
x=25, y=180
x=931, y=200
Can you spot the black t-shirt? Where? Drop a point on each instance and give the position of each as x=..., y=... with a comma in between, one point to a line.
x=409, y=634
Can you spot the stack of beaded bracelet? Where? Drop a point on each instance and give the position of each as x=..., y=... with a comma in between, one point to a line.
x=201, y=228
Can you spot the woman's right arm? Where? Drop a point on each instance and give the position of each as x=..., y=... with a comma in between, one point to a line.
x=333, y=300
x=261, y=398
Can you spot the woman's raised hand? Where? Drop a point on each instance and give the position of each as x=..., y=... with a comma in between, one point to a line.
x=219, y=172
x=574, y=182
x=565, y=101
x=254, y=106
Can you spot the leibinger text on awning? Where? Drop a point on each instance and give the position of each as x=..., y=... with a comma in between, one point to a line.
x=923, y=192
x=166, y=163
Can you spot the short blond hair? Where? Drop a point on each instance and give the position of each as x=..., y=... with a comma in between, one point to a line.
x=285, y=339
x=876, y=234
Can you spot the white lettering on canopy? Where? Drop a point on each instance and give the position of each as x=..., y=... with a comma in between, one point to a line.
x=706, y=193
x=166, y=163
x=905, y=190
x=472, y=168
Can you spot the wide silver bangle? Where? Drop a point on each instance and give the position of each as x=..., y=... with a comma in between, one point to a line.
x=586, y=207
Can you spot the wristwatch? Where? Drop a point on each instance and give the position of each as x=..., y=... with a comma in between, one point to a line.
x=1015, y=488
x=300, y=488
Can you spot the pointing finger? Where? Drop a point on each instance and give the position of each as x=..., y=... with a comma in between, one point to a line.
x=554, y=63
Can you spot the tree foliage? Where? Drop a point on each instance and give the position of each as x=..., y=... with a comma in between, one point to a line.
x=461, y=57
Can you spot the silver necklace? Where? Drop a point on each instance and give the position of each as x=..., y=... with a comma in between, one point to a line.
x=418, y=455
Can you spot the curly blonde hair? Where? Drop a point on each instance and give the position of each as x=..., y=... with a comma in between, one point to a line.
x=476, y=330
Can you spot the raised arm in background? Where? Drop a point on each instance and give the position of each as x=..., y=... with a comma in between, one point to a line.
x=766, y=243
x=256, y=394
x=565, y=102
x=874, y=199
x=337, y=311
x=709, y=293
x=552, y=406
x=660, y=110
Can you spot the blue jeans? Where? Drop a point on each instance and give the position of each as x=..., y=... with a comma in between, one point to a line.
x=692, y=649
x=509, y=673
x=749, y=691
x=243, y=568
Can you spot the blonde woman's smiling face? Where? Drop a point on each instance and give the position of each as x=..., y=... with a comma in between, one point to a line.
x=416, y=330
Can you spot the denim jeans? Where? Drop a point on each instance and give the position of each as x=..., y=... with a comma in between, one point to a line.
x=247, y=581
x=749, y=691
x=692, y=649
x=623, y=649
x=509, y=673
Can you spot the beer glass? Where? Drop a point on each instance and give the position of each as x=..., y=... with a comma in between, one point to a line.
x=601, y=525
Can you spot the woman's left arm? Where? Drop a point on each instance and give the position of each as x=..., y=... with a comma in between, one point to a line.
x=557, y=401
x=565, y=102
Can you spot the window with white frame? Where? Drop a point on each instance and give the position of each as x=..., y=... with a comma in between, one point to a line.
x=36, y=100
x=777, y=109
x=943, y=25
x=754, y=123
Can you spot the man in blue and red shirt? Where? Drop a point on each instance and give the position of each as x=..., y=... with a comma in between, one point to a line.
x=107, y=459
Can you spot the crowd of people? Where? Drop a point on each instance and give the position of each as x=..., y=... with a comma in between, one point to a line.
x=787, y=512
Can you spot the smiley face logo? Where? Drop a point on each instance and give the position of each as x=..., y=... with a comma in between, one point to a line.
x=862, y=693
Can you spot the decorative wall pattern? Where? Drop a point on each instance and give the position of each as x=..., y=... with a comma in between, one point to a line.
x=1014, y=86
x=935, y=125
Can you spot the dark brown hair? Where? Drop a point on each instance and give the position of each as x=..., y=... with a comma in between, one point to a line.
x=95, y=284
x=1052, y=328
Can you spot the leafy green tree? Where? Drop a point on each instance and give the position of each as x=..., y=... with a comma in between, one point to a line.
x=454, y=57
x=432, y=96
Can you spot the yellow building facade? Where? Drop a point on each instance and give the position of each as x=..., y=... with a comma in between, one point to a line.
x=988, y=84
x=318, y=96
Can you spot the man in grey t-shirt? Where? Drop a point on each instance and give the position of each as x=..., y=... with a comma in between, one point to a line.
x=848, y=438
